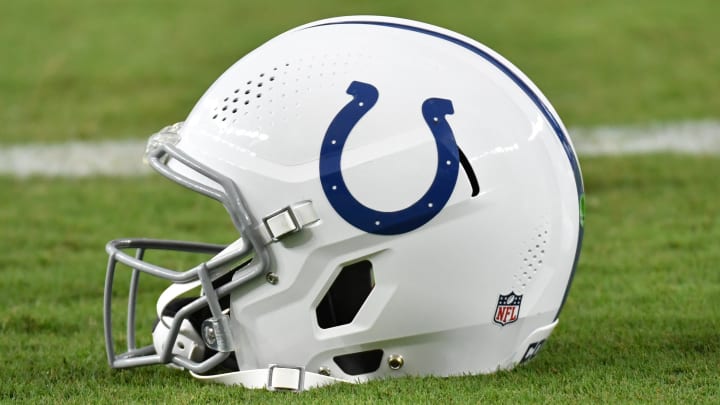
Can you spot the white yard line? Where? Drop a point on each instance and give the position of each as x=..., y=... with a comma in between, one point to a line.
x=693, y=137
x=74, y=159
x=124, y=158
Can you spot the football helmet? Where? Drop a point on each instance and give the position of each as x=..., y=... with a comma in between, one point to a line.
x=407, y=202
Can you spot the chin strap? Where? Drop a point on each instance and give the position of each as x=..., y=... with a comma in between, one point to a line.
x=273, y=378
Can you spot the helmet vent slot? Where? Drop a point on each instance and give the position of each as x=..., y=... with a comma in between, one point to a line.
x=360, y=362
x=532, y=258
x=240, y=98
x=346, y=295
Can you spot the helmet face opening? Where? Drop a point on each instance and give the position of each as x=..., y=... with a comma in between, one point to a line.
x=407, y=203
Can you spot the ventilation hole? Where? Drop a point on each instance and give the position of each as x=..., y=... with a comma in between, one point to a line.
x=247, y=102
x=259, y=95
x=235, y=100
x=360, y=362
x=181, y=345
x=224, y=108
x=226, y=98
x=224, y=118
x=260, y=84
x=272, y=78
x=247, y=91
x=249, y=82
x=215, y=116
x=236, y=91
x=346, y=295
x=234, y=110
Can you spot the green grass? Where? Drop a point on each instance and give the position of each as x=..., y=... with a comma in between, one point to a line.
x=642, y=322
x=86, y=69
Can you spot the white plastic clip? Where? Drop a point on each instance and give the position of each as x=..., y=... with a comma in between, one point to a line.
x=281, y=223
x=289, y=220
x=285, y=378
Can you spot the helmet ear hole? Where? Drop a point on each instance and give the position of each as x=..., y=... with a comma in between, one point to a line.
x=346, y=295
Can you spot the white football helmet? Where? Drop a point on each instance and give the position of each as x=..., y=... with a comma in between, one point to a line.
x=407, y=203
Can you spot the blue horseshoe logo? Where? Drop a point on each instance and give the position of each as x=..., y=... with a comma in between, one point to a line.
x=423, y=210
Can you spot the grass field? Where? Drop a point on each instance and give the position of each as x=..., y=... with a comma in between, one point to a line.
x=642, y=322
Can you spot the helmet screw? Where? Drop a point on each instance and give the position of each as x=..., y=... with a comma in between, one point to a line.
x=324, y=371
x=272, y=278
x=209, y=335
x=395, y=361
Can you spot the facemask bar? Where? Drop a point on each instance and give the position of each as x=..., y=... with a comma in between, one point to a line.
x=161, y=148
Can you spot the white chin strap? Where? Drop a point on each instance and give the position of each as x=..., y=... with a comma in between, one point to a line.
x=273, y=378
x=188, y=344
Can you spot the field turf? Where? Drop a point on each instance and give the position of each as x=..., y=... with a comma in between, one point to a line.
x=642, y=321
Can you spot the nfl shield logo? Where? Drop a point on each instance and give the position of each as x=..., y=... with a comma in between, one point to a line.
x=508, y=309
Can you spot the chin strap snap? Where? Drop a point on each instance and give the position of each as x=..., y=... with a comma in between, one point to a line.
x=288, y=220
x=274, y=378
